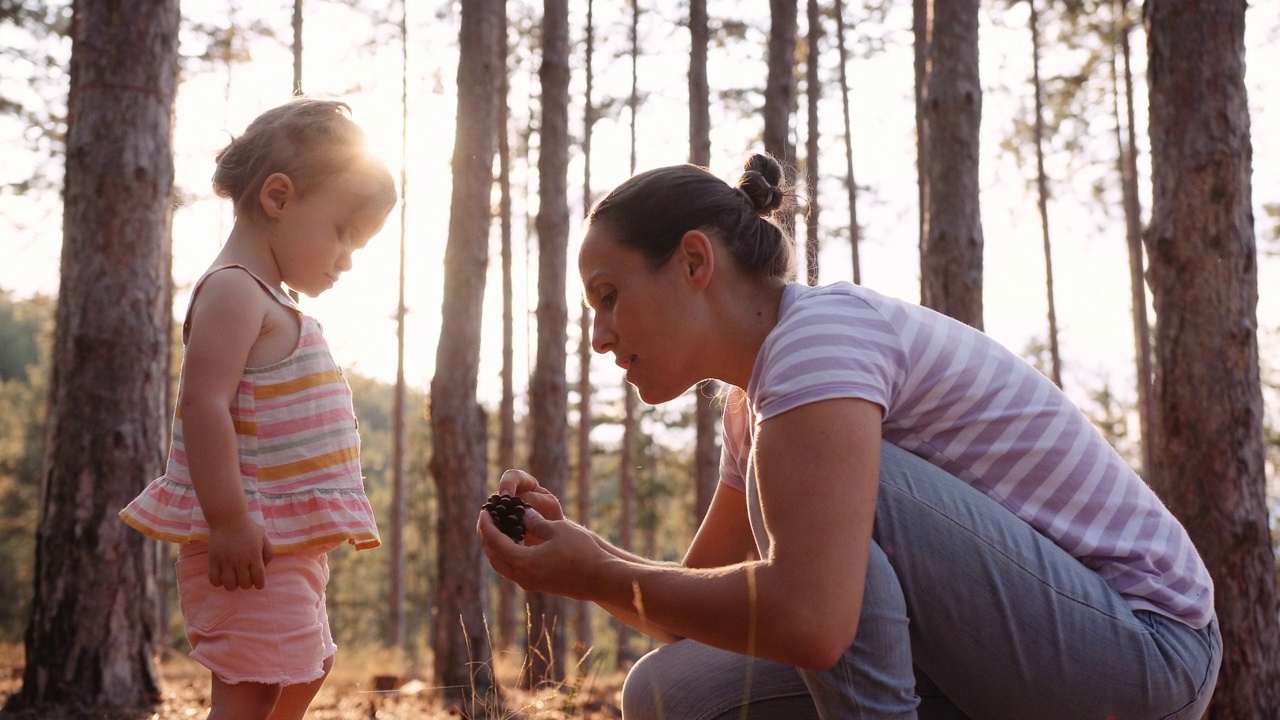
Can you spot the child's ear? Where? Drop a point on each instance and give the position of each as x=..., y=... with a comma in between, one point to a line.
x=277, y=190
x=698, y=258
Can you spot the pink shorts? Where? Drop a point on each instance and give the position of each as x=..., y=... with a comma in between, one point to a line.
x=278, y=635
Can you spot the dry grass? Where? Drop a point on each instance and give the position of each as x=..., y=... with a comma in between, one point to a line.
x=352, y=692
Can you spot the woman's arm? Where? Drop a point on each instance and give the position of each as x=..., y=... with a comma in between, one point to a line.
x=817, y=469
x=225, y=323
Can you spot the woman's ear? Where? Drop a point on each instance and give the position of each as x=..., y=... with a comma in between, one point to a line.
x=698, y=258
x=277, y=190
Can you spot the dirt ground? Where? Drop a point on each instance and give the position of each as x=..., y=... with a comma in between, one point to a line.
x=349, y=694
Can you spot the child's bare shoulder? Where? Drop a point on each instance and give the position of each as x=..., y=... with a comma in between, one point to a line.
x=230, y=295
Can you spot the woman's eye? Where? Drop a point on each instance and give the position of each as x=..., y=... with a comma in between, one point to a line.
x=607, y=300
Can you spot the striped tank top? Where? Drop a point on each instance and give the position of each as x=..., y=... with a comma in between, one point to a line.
x=299, y=449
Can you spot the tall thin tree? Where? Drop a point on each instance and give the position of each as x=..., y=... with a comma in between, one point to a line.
x=706, y=451
x=297, y=48
x=582, y=610
x=780, y=91
x=1042, y=193
x=395, y=579
x=93, y=619
x=548, y=391
x=626, y=461
x=458, y=461
x=1209, y=459
x=1126, y=143
x=851, y=187
x=949, y=114
x=813, y=93
x=507, y=590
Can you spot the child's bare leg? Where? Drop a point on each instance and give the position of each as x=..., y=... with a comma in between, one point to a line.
x=295, y=699
x=242, y=701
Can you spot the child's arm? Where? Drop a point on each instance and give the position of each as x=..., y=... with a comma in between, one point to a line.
x=225, y=323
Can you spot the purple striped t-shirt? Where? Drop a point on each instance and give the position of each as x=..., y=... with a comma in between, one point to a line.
x=960, y=400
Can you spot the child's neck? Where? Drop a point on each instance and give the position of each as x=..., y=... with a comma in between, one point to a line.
x=248, y=245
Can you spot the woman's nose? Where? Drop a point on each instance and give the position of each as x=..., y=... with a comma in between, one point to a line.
x=602, y=337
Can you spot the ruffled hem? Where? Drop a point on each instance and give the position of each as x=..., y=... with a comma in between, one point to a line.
x=294, y=521
x=296, y=677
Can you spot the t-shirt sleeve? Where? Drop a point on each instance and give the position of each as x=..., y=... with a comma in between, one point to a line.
x=826, y=347
x=735, y=440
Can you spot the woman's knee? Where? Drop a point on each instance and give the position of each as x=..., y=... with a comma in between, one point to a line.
x=642, y=688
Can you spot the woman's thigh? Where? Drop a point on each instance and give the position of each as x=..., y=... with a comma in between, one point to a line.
x=1007, y=624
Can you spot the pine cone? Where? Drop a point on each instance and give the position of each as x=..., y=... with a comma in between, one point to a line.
x=507, y=512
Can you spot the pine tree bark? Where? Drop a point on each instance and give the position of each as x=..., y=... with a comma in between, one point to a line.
x=950, y=115
x=626, y=501
x=507, y=590
x=548, y=391
x=706, y=450
x=396, y=574
x=1209, y=460
x=780, y=94
x=93, y=620
x=1126, y=142
x=458, y=431
x=851, y=187
x=582, y=610
x=1042, y=196
x=813, y=92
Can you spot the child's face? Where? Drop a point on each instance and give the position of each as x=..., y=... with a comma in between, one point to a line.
x=318, y=232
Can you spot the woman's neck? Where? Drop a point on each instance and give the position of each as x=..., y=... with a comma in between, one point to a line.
x=752, y=315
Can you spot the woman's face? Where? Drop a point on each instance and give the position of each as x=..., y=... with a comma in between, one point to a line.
x=644, y=317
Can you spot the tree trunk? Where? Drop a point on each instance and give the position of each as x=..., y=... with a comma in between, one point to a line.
x=626, y=501
x=699, y=88
x=850, y=186
x=458, y=463
x=950, y=116
x=507, y=590
x=1042, y=195
x=920, y=37
x=813, y=91
x=1128, y=165
x=1209, y=461
x=780, y=93
x=706, y=451
x=548, y=392
x=395, y=579
x=93, y=615
x=582, y=610
x=297, y=49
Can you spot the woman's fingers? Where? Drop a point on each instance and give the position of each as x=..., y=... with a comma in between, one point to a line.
x=516, y=482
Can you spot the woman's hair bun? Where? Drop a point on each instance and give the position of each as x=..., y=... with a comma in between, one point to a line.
x=761, y=184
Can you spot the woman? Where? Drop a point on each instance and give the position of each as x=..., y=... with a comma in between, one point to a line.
x=910, y=521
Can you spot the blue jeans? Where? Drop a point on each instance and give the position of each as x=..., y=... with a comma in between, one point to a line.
x=968, y=613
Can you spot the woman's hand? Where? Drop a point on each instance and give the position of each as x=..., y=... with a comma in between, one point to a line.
x=527, y=488
x=557, y=556
x=238, y=555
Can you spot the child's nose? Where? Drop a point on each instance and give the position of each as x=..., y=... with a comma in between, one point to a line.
x=344, y=260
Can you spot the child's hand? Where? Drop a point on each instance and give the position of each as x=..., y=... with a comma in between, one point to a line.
x=238, y=555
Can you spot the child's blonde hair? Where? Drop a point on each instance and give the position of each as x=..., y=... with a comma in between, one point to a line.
x=308, y=140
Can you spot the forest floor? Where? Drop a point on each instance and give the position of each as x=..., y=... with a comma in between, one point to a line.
x=348, y=694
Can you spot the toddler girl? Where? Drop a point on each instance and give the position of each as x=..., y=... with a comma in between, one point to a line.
x=263, y=478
